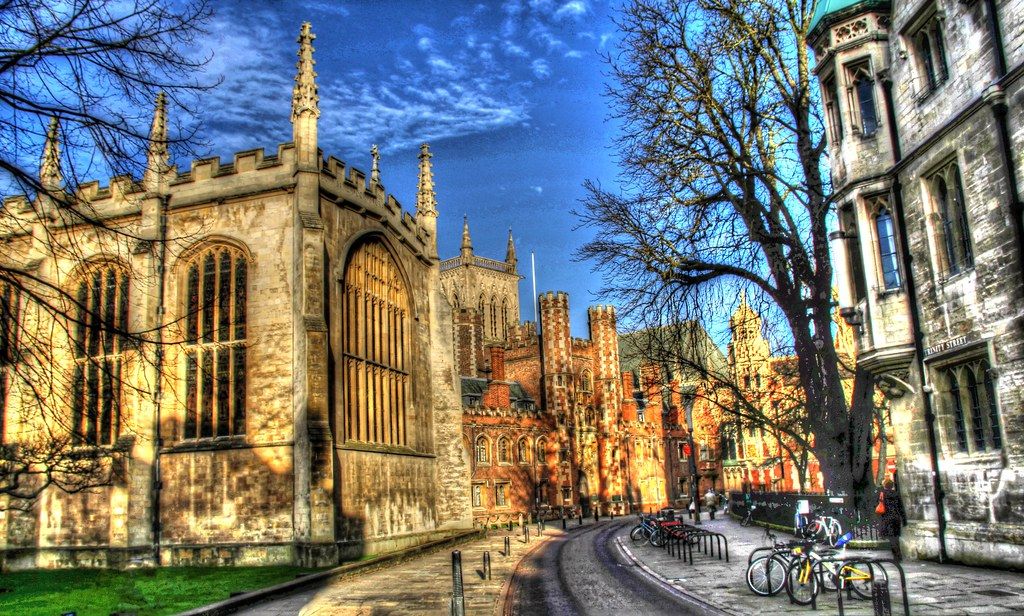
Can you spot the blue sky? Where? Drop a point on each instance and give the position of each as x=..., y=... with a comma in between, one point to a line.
x=508, y=94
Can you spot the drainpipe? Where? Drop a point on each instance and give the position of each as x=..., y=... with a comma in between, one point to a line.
x=995, y=96
x=158, y=361
x=915, y=322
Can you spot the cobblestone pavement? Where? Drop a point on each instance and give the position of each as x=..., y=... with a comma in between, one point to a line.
x=422, y=585
x=932, y=588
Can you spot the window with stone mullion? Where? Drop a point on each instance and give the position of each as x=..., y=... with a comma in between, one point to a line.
x=215, y=349
x=98, y=341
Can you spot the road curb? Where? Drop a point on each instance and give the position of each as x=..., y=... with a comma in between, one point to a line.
x=689, y=595
x=233, y=604
x=506, y=586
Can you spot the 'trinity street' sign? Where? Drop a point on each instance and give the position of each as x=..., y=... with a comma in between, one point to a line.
x=951, y=344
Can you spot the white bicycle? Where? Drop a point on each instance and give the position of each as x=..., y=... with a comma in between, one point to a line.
x=824, y=529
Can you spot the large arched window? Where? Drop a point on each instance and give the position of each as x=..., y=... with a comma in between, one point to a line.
x=542, y=451
x=504, y=451
x=98, y=333
x=215, y=342
x=375, y=342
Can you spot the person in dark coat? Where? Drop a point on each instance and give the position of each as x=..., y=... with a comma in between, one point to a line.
x=891, y=523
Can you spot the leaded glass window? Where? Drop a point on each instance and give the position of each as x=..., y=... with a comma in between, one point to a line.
x=215, y=282
x=375, y=346
x=99, y=340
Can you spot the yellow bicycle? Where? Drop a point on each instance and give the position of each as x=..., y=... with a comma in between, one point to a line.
x=812, y=570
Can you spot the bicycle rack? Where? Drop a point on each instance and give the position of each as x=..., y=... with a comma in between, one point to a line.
x=879, y=562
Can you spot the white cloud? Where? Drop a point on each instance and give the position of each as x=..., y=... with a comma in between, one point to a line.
x=540, y=68
x=537, y=189
x=439, y=64
x=571, y=10
x=512, y=49
x=604, y=39
x=573, y=54
x=453, y=88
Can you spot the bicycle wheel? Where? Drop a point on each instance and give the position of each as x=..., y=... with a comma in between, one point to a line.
x=815, y=531
x=834, y=531
x=861, y=577
x=658, y=537
x=766, y=575
x=639, y=535
x=801, y=582
x=826, y=577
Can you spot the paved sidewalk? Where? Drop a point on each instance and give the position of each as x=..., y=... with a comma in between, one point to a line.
x=932, y=588
x=422, y=585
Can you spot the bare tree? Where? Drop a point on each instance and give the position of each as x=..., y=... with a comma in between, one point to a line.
x=724, y=188
x=78, y=81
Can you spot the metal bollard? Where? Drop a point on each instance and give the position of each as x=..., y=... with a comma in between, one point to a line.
x=581, y=518
x=526, y=534
x=563, y=521
x=458, y=600
x=487, y=565
x=508, y=546
x=880, y=599
x=597, y=515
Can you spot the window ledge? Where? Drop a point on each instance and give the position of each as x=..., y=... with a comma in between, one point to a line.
x=885, y=293
x=397, y=450
x=208, y=443
x=989, y=459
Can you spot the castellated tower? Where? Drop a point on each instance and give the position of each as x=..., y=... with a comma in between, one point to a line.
x=556, y=351
x=607, y=396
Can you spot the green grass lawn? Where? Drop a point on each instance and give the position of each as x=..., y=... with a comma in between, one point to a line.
x=147, y=592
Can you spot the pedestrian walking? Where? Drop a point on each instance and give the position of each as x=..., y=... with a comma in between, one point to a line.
x=892, y=517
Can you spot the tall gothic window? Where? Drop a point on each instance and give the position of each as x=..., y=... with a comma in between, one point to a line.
x=494, y=317
x=10, y=320
x=504, y=319
x=523, y=451
x=971, y=400
x=215, y=342
x=948, y=192
x=504, y=452
x=376, y=317
x=886, y=245
x=830, y=97
x=483, y=454
x=98, y=334
x=862, y=90
x=930, y=54
x=542, y=451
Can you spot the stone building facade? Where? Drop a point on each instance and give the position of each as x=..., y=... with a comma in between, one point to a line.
x=924, y=113
x=296, y=401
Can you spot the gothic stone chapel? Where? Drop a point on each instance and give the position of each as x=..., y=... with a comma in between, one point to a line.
x=303, y=405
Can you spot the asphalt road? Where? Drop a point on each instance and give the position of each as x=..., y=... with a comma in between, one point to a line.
x=586, y=573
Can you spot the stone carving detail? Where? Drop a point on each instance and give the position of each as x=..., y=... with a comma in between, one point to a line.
x=850, y=31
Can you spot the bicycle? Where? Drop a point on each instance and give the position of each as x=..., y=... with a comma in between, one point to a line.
x=648, y=531
x=766, y=574
x=812, y=570
x=824, y=528
x=748, y=518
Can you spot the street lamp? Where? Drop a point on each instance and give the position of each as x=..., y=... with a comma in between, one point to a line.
x=691, y=457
